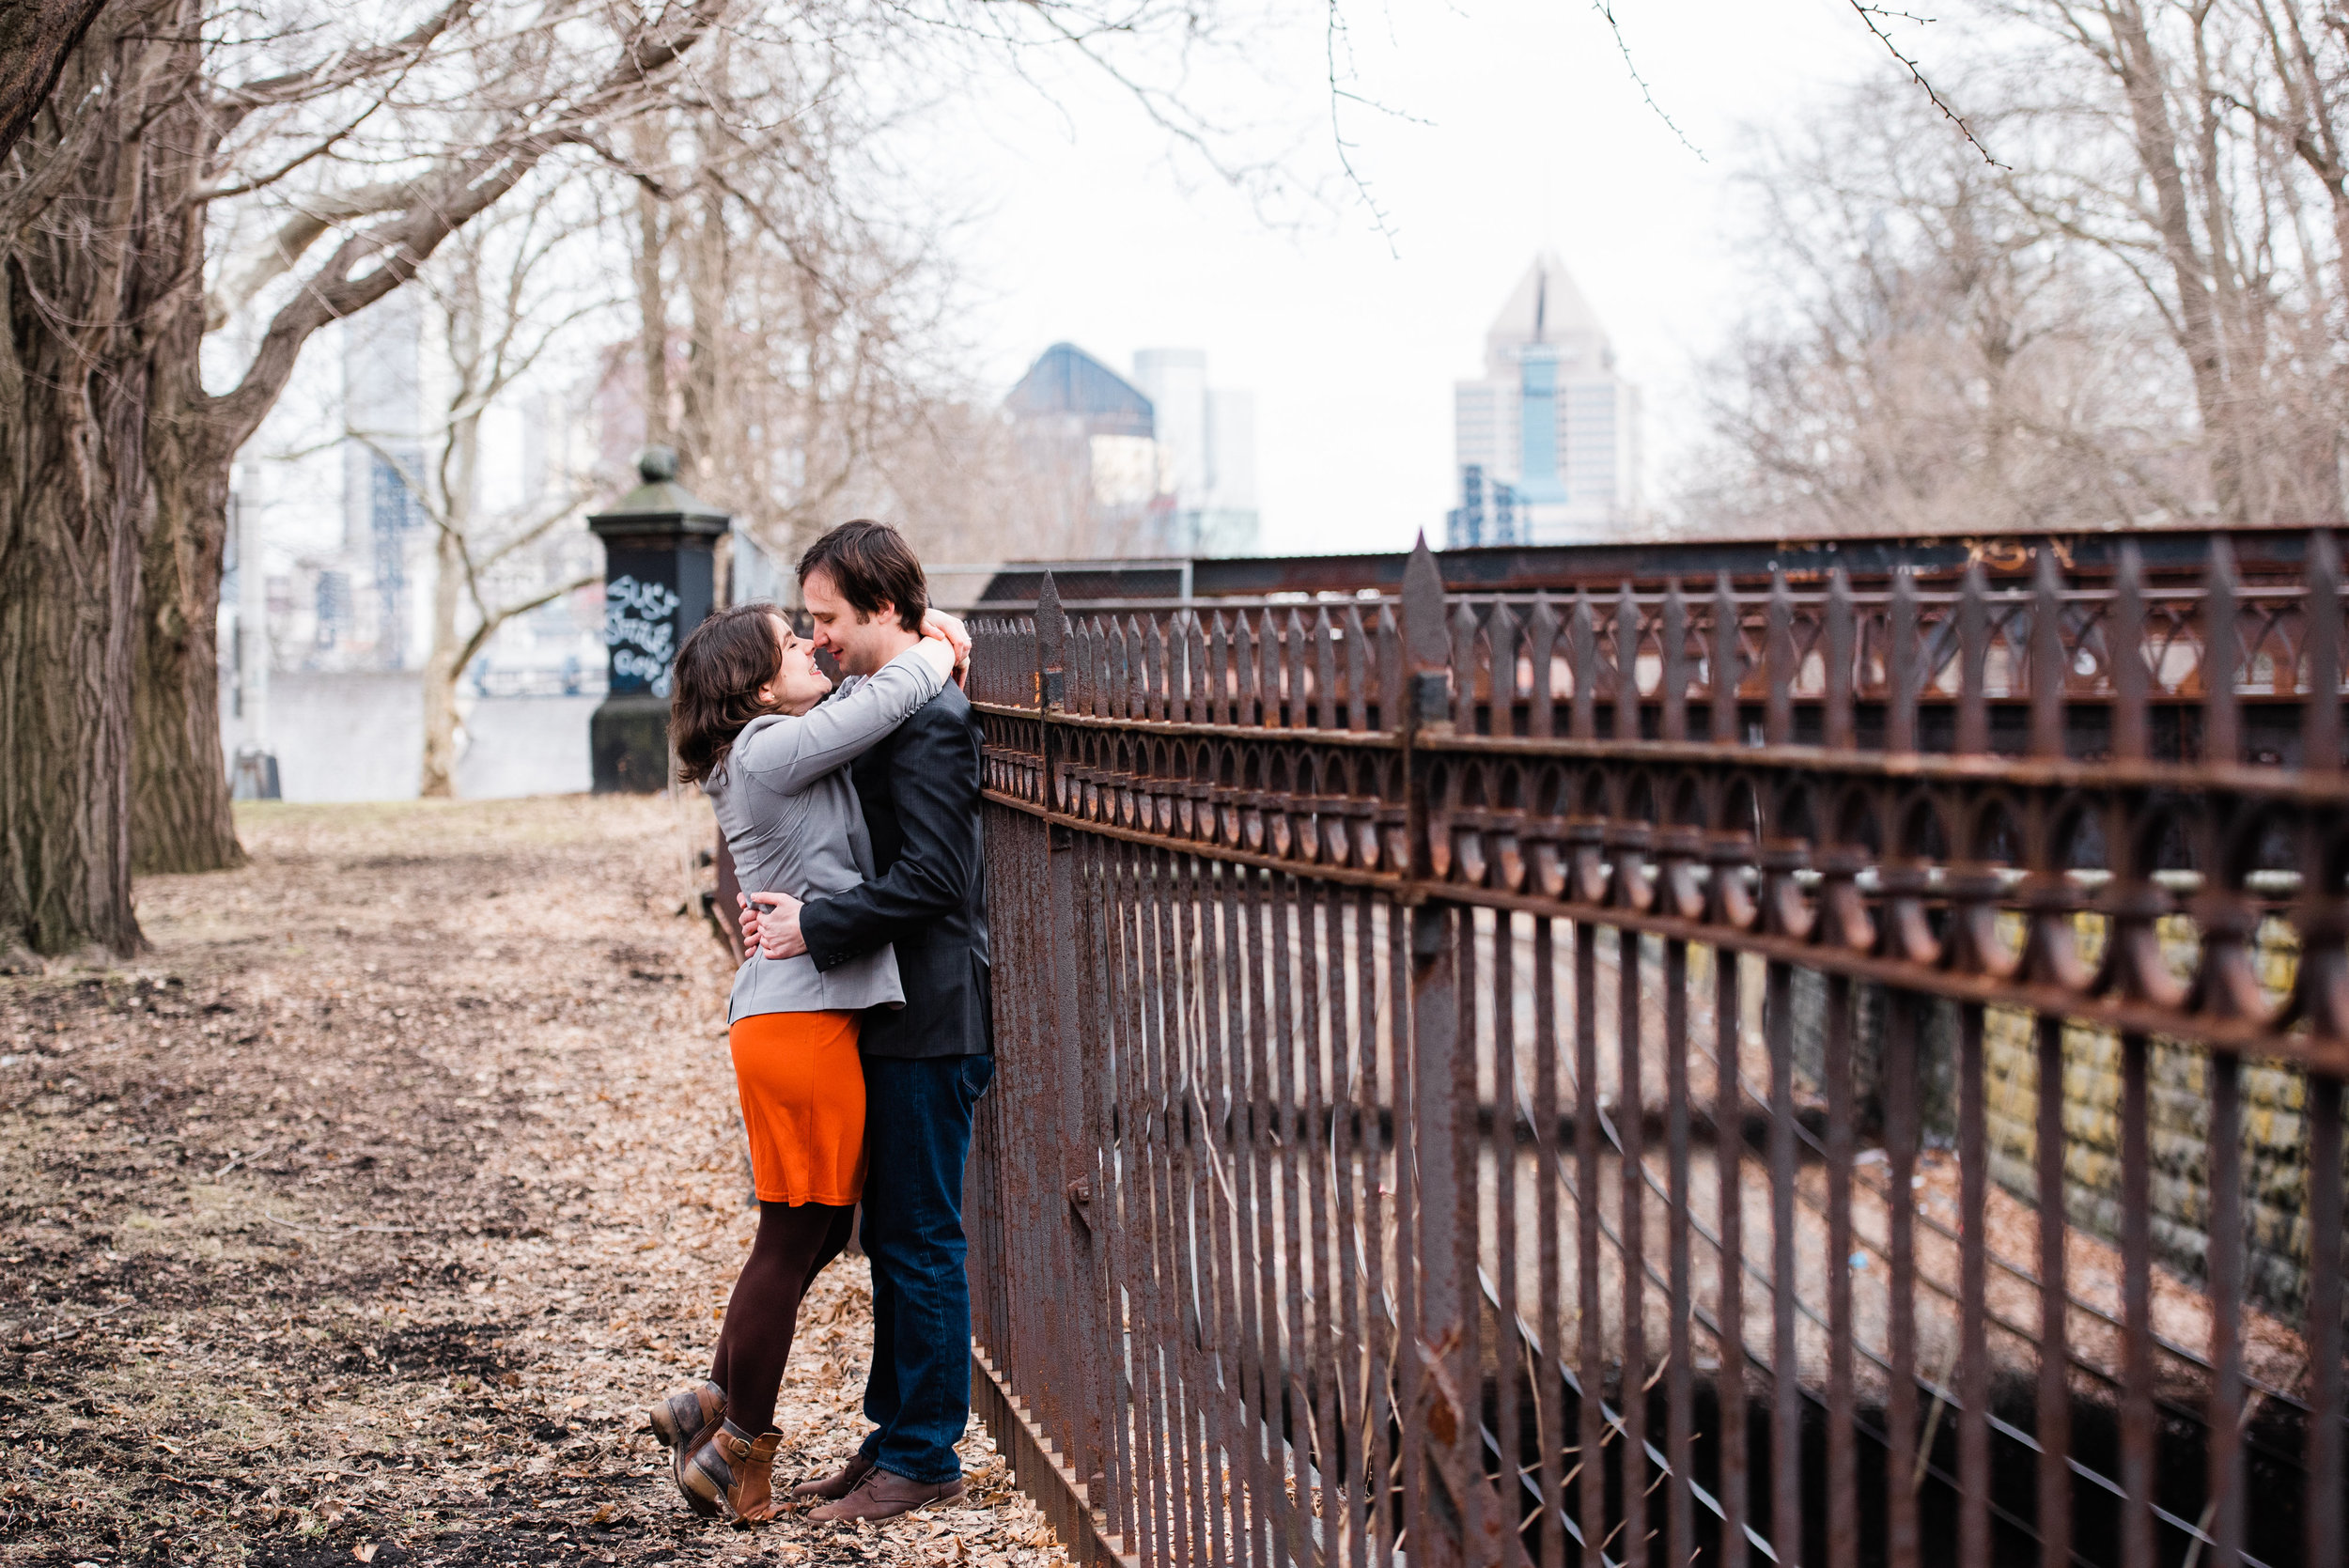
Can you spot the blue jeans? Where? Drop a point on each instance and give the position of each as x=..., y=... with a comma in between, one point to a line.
x=917, y=1135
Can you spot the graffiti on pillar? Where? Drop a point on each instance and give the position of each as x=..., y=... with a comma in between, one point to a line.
x=640, y=628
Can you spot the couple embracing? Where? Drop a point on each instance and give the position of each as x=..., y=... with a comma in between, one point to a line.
x=860, y=1020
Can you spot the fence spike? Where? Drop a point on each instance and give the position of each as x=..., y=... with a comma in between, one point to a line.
x=1140, y=676
x=1269, y=691
x=2124, y=656
x=1973, y=663
x=1904, y=665
x=1244, y=667
x=1626, y=665
x=1220, y=690
x=1464, y=667
x=1295, y=660
x=1500, y=640
x=1325, y=715
x=1778, y=655
x=1673, y=721
x=1051, y=638
x=1198, y=707
x=1390, y=663
x=1585, y=670
x=1541, y=639
x=2046, y=657
x=1357, y=671
x=1103, y=694
x=1840, y=731
x=1118, y=687
x=1725, y=671
x=2222, y=656
x=2320, y=723
x=1424, y=633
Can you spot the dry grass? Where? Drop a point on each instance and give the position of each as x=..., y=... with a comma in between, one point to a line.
x=361, y=1220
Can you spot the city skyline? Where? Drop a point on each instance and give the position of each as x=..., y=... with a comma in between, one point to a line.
x=1350, y=313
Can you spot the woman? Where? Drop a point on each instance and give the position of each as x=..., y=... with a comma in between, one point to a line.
x=745, y=723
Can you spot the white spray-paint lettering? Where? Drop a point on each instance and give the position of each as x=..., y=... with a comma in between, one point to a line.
x=639, y=626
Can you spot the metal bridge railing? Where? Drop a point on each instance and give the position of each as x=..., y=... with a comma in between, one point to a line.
x=1801, y=1076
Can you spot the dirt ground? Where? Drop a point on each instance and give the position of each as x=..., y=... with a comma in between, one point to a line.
x=363, y=1217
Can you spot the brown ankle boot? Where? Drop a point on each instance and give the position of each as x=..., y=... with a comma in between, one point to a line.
x=751, y=1498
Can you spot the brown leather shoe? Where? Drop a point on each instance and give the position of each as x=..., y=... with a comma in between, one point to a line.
x=836, y=1485
x=884, y=1495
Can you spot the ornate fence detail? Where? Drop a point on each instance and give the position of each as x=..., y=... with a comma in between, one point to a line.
x=1513, y=1078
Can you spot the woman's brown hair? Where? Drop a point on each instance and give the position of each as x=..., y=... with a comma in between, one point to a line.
x=715, y=682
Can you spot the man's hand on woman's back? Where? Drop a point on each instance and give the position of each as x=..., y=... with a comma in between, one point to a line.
x=773, y=930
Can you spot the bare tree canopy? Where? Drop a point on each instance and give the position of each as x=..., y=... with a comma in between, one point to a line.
x=2138, y=316
x=373, y=147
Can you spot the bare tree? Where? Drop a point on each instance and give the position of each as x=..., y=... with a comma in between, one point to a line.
x=783, y=331
x=2231, y=114
x=504, y=292
x=2140, y=313
x=113, y=524
x=1925, y=354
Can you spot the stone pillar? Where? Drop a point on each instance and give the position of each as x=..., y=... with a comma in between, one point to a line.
x=659, y=582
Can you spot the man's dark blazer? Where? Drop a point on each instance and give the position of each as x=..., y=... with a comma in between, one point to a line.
x=920, y=790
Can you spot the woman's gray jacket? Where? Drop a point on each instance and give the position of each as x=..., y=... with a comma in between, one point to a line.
x=790, y=816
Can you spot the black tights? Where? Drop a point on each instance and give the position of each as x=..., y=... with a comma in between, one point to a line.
x=795, y=1242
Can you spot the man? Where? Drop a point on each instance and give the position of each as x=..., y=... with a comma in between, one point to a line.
x=925, y=1065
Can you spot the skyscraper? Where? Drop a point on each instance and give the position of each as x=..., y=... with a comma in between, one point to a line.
x=383, y=464
x=1093, y=437
x=1210, y=435
x=1547, y=442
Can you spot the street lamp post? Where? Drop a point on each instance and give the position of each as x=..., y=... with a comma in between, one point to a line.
x=659, y=582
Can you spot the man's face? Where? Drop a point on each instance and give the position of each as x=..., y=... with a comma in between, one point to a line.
x=855, y=639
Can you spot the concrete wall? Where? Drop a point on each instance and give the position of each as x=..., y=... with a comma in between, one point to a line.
x=360, y=737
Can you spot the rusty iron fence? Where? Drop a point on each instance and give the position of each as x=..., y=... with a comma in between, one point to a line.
x=1468, y=1072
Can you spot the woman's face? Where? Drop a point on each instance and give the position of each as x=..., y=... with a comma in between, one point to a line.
x=798, y=684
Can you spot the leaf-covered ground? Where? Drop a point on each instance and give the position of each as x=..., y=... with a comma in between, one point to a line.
x=362, y=1218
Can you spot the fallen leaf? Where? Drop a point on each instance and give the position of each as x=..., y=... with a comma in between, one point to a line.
x=365, y=1551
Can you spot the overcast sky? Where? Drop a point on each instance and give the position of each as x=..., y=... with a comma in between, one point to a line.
x=1526, y=130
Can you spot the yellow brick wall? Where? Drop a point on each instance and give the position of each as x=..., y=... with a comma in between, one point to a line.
x=2275, y=1135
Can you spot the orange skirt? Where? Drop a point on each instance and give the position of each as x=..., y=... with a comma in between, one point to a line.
x=802, y=1091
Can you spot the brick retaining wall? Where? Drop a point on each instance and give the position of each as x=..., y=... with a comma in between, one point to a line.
x=2276, y=1168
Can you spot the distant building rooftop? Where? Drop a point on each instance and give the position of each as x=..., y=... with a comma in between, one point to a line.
x=1065, y=379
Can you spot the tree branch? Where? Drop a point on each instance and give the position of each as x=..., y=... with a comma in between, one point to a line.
x=391, y=252
x=35, y=39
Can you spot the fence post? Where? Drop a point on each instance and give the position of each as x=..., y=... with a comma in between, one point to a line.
x=1083, y=1087
x=1443, y=1407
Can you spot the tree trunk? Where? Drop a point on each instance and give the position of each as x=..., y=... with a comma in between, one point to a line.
x=440, y=671
x=2143, y=83
x=652, y=325
x=68, y=593
x=83, y=279
x=180, y=815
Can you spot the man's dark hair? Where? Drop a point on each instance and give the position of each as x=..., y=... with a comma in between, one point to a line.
x=871, y=564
